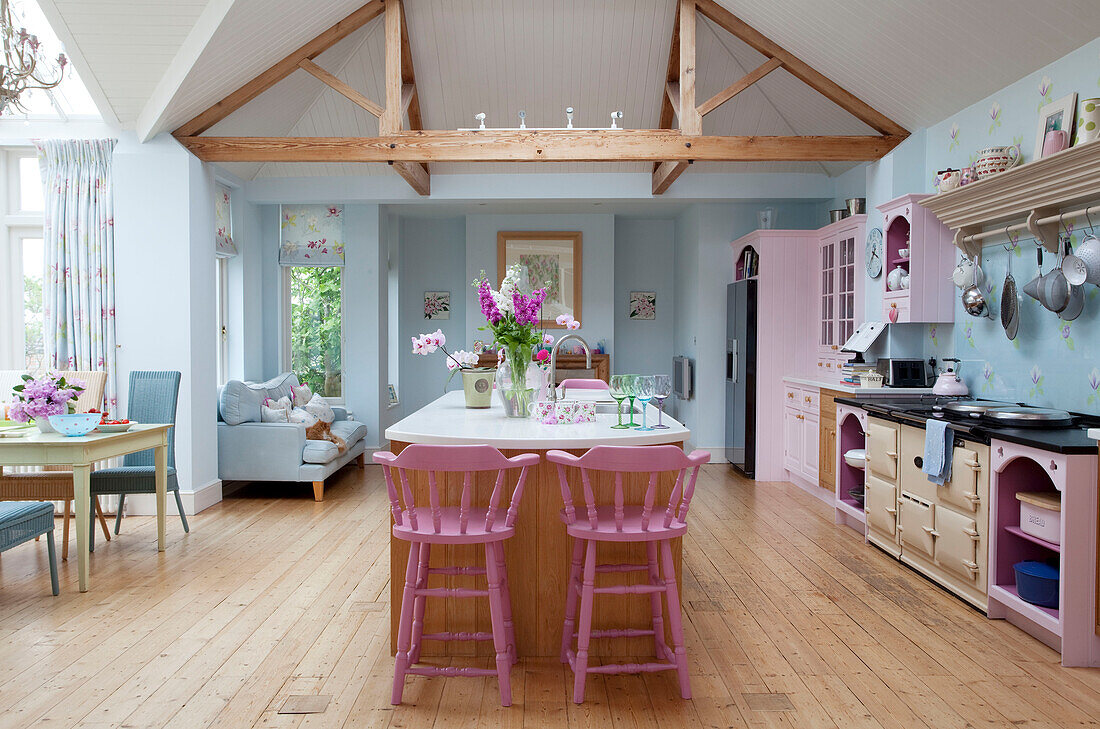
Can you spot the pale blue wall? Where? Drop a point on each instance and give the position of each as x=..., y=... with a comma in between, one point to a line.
x=432, y=258
x=644, y=251
x=1051, y=362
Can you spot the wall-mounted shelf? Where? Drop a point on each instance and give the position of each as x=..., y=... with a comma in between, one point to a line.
x=1037, y=189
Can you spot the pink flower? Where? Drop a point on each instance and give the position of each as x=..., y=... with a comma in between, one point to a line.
x=548, y=339
x=573, y=324
x=542, y=356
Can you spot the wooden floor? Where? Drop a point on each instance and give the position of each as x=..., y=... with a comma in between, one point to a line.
x=792, y=622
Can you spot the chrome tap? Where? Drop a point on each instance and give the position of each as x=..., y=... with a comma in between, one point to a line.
x=554, y=361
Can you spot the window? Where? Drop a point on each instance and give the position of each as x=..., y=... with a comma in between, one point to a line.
x=314, y=327
x=22, y=318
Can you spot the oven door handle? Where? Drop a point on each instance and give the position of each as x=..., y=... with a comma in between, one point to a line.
x=973, y=465
x=972, y=566
x=972, y=497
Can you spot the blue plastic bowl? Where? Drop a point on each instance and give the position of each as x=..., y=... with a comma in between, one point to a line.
x=1037, y=583
x=75, y=424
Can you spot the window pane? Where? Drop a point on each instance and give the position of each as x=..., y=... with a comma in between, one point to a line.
x=30, y=185
x=316, y=328
x=33, y=319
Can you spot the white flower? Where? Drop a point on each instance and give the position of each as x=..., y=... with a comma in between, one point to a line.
x=504, y=303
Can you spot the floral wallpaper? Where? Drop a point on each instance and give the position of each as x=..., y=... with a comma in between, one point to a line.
x=312, y=235
x=1052, y=362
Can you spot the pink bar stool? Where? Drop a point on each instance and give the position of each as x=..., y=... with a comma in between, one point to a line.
x=422, y=526
x=626, y=523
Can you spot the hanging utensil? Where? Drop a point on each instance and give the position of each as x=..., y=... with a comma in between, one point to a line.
x=1054, y=290
x=1031, y=288
x=1010, y=302
x=974, y=300
x=1073, y=268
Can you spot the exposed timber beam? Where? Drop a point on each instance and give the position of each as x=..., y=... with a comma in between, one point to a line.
x=576, y=145
x=691, y=121
x=738, y=86
x=664, y=174
x=340, y=87
x=401, y=97
x=280, y=70
x=672, y=91
x=798, y=68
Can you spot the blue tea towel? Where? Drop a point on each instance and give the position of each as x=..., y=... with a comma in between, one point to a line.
x=938, y=441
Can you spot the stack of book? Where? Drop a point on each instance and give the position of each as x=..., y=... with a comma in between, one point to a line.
x=748, y=265
x=849, y=373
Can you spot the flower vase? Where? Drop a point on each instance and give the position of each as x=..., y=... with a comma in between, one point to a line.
x=477, y=385
x=44, y=425
x=516, y=378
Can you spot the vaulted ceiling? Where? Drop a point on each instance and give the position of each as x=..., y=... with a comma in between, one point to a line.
x=158, y=63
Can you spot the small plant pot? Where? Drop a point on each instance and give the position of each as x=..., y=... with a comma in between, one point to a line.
x=477, y=385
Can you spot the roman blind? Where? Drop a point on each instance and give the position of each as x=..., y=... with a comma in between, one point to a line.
x=223, y=224
x=312, y=235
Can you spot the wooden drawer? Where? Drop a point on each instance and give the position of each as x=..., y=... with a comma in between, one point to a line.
x=827, y=404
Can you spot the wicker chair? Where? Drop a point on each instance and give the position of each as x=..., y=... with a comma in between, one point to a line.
x=152, y=399
x=26, y=520
x=55, y=483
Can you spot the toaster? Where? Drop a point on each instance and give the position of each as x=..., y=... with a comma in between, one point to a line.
x=899, y=372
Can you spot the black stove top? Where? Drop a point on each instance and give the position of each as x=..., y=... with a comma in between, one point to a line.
x=916, y=410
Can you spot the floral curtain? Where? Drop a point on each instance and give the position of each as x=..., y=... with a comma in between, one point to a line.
x=223, y=225
x=312, y=235
x=78, y=237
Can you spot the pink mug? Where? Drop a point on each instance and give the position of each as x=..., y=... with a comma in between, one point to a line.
x=1055, y=141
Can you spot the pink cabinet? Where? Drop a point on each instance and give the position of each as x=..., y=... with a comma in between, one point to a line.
x=918, y=257
x=839, y=290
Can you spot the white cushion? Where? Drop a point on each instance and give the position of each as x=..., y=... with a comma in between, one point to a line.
x=319, y=451
x=320, y=408
x=301, y=415
x=273, y=415
x=300, y=395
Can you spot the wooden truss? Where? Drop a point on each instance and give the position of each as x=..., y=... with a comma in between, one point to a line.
x=410, y=150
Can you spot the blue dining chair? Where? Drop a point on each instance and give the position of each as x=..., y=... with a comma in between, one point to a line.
x=153, y=397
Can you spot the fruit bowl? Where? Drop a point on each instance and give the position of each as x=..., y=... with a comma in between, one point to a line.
x=115, y=426
x=75, y=424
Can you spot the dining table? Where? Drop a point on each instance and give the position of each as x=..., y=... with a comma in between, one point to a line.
x=30, y=447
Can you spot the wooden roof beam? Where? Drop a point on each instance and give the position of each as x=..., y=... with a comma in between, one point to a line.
x=574, y=145
x=738, y=86
x=280, y=70
x=401, y=96
x=801, y=70
x=680, y=71
x=340, y=87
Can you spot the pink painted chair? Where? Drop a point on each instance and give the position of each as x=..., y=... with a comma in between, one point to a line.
x=621, y=522
x=578, y=383
x=422, y=526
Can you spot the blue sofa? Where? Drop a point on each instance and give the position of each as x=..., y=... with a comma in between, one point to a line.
x=249, y=450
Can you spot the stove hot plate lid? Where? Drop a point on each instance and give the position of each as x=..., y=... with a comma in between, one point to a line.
x=973, y=407
x=1027, y=416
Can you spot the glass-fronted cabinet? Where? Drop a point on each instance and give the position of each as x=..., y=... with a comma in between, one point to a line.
x=839, y=289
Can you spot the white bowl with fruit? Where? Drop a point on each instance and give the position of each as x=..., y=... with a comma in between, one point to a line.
x=106, y=425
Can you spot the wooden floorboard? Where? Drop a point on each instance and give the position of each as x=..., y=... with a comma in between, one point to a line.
x=791, y=621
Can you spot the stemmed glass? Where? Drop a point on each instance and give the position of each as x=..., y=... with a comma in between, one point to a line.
x=631, y=385
x=661, y=390
x=643, y=390
x=619, y=391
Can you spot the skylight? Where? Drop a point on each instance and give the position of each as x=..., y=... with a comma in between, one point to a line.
x=70, y=99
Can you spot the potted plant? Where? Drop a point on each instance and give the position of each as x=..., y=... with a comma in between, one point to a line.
x=38, y=399
x=477, y=382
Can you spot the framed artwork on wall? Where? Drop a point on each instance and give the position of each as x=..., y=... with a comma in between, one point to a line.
x=551, y=259
x=437, y=305
x=643, y=305
x=1057, y=117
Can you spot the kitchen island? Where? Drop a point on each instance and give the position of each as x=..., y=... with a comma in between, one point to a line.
x=538, y=556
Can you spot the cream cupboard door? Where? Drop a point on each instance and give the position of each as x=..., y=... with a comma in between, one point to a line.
x=811, y=445
x=882, y=449
x=880, y=505
x=962, y=490
x=957, y=543
x=916, y=521
x=792, y=439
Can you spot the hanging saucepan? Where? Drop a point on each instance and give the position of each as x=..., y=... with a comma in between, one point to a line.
x=1054, y=290
x=1010, y=303
x=1031, y=288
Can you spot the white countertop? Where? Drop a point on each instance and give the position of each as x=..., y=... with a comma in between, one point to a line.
x=854, y=390
x=1094, y=433
x=447, y=421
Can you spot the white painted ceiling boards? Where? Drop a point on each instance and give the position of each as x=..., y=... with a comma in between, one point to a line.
x=916, y=62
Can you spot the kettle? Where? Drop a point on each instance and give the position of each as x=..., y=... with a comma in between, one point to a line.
x=948, y=381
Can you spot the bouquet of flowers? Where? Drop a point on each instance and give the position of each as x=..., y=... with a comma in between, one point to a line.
x=38, y=399
x=514, y=318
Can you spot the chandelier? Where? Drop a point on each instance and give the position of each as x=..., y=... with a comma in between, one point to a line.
x=23, y=67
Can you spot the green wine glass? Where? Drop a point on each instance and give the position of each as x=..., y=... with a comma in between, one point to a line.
x=617, y=388
x=631, y=392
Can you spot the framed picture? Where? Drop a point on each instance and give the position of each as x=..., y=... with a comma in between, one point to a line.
x=643, y=305
x=548, y=259
x=437, y=304
x=1055, y=116
x=393, y=395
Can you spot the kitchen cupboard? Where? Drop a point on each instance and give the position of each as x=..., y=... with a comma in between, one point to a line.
x=827, y=441
x=881, y=487
x=801, y=436
x=839, y=289
x=918, y=258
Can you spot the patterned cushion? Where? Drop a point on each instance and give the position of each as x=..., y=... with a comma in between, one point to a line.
x=320, y=409
x=300, y=395
x=273, y=415
x=319, y=451
x=240, y=402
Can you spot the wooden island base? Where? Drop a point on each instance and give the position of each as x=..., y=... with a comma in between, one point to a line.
x=538, y=559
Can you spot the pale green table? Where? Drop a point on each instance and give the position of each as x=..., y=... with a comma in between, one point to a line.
x=42, y=449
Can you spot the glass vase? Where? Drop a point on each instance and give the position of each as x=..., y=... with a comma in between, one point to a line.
x=517, y=377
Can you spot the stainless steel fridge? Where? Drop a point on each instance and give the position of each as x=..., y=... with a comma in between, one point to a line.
x=741, y=376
